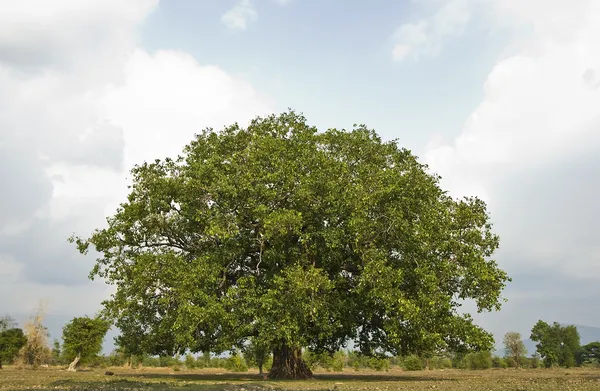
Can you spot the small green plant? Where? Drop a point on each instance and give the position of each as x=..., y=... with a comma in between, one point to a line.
x=236, y=363
x=339, y=361
x=190, y=361
x=412, y=363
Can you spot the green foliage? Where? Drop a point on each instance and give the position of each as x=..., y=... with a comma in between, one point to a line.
x=589, y=354
x=440, y=362
x=499, y=362
x=83, y=337
x=412, y=363
x=57, y=358
x=256, y=353
x=190, y=361
x=11, y=341
x=314, y=360
x=339, y=361
x=236, y=363
x=556, y=344
x=303, y=238
x=478, y=360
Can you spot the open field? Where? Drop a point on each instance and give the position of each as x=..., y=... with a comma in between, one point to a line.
x=213, y=380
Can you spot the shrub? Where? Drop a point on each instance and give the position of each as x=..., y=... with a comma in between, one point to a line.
x=499, y=362
x=412, y=363
x=236, y=363
x=479, y=360
x=438, y=362
x=339, y=360
x=190, y=361
x=379, y=364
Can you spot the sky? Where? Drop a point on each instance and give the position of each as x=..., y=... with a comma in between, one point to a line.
x=499, y=97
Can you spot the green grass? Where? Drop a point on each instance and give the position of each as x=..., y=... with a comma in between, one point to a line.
x=213, y=380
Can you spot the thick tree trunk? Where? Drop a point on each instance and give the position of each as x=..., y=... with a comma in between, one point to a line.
x=288, y=364
x=260, y=368
x=74, y=364
x=0, y=363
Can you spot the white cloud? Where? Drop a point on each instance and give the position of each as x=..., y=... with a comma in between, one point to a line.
x=240, y=15
x=530, y=146
x=80, y=103
x=426, y=37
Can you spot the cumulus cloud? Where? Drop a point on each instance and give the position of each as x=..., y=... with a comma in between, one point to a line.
x=240, y=15
x=530, y=150
x=426, y=36
x=80, y=103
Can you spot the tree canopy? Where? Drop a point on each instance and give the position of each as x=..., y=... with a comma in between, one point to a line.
x=11, y=341
x=556, y=344
x=589, y=354
x=296, y=238
x=82, y=339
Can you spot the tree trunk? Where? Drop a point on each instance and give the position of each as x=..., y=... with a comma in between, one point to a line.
x=0, y=363
x=288, y=364
x=260, y=366
x=74, y=363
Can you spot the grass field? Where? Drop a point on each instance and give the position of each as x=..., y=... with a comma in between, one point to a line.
x=212, y=380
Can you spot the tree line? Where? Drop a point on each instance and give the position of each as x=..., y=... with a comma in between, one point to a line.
x=82, y=339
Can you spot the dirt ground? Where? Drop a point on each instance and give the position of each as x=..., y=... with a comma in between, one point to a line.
x=218, y=380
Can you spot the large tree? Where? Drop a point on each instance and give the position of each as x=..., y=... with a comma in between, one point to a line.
x=556, y=344
x=296, y=238
x=82, y=339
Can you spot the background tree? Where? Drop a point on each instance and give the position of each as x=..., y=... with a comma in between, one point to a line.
x=557, y=345
x=589, y=354
x=302, y=238
x=11, y=341
x=36, y=350
x=56, y=352
x=7, y=322
x=82, y=339
x=570, y=345
x=514, y=347
x=256, y=353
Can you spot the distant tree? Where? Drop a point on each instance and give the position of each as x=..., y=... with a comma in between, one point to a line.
x=557, y=345
x=56, y=352
x=7, y=322
x=305, y=238
x=11, y=341
x=570, y=344
x=82, y=339
x=589, y=354
x=514, y=347
x=36, y=351
x=256, y=353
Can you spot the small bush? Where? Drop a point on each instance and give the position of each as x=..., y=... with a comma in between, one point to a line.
x=236, y=363
x=412, y=363
x=190, y=361
x=499, y=362
x=440, y=363
x=339, y=360
x=478, y=360
x=379, y=364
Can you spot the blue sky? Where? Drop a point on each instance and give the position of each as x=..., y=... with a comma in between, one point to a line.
x=339, y=52
x=500, y=97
